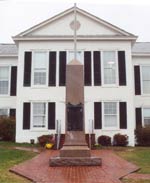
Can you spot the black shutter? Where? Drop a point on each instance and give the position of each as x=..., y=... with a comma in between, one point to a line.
x=27, y=68
x=137, y=80
x=138, y=117
x=97, y=115
x=122, y=68
x=12, y=113
x=13, y=81
x=123, y=115
x=87, y=68
x=26, y=116
x=97, y=68
x=62, y=68
x=51, y=115
x=52, y=68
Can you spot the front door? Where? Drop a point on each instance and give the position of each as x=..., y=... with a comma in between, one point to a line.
x=75, y=118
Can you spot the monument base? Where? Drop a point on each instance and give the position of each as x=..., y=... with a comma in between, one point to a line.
x=75, y=152
x=75, y=161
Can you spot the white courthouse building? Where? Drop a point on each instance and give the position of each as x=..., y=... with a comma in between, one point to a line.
x=116, y=78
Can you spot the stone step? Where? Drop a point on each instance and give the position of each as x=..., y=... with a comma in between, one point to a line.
x=78, y=161
x=75, y=151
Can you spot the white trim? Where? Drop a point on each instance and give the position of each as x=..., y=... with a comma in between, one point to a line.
x=57, y=38
x=78, y=50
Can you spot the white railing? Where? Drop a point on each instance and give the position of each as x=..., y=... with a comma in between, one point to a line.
x=91, y=130
x=58, y=132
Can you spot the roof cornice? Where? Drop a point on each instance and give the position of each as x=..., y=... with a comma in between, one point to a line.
x=70, y=38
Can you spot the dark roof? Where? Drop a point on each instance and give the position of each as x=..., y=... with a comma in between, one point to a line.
x=141, y=47
x=11, y=49
x=8, y=49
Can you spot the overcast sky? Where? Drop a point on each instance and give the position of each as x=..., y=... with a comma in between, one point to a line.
x=19, y=15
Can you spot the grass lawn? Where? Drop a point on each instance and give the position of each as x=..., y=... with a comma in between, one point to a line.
x=139, y=156
x=10, y=157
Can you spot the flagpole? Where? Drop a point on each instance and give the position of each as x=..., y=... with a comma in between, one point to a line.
x=75, y=32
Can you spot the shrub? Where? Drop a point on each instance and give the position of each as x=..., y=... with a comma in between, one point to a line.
x=44, y=139
x=7, y=129
x=120, y=140
x=104, y=140
x=142, y=136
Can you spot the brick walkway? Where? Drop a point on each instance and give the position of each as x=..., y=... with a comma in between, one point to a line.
x=112, y=169
x=138, y=176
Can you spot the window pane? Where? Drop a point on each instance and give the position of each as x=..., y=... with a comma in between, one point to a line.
x=4, y=80
x=4, y=73
x=110, y=114
x=110, y=108
x=110, y=121
x=39, y=114
x=147, y=121
x=40, y=60
x=146, y=79
x=39, y=78
x=3, y=112
x=71, y=56
x=3, y=87
x=40, y=63
x=109, y=64
x=146, y=112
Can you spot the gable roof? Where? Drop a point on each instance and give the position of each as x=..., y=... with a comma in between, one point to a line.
x=8, y=50
x=141, y=49
x=121, y=33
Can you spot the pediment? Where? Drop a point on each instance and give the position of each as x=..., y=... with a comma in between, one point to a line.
x=61, y=25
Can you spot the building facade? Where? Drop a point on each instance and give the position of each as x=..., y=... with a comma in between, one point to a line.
x=116, y=77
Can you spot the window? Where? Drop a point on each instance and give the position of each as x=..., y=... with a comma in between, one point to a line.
x=146, y=79
x=110, y=115
x=146, y=116
x=40, y=68
x=4, y=80
x=109, y=67
x=3, y=112
x=39, y=115
x=71, y=56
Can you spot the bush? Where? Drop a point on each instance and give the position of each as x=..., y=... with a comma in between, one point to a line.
x=104, y=140
x=44, y=139
x=7, y=129
x=120, y=140
x=142, y=136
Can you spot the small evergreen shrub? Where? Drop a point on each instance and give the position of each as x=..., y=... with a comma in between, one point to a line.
x=104, y=140
x=7, y=128
x=142, y=136
x=120, y=140
x=44, y=139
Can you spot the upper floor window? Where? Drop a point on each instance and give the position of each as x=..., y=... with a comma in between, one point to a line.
x=146, y=116
x=40, y=68
x=4, y=80
x=110, y=115
x=146, y=79
x=109, y=68
x=71, y=56
x=39, y=115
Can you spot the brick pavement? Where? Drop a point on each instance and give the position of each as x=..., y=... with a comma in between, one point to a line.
x=138, y=176
x=112, y=169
